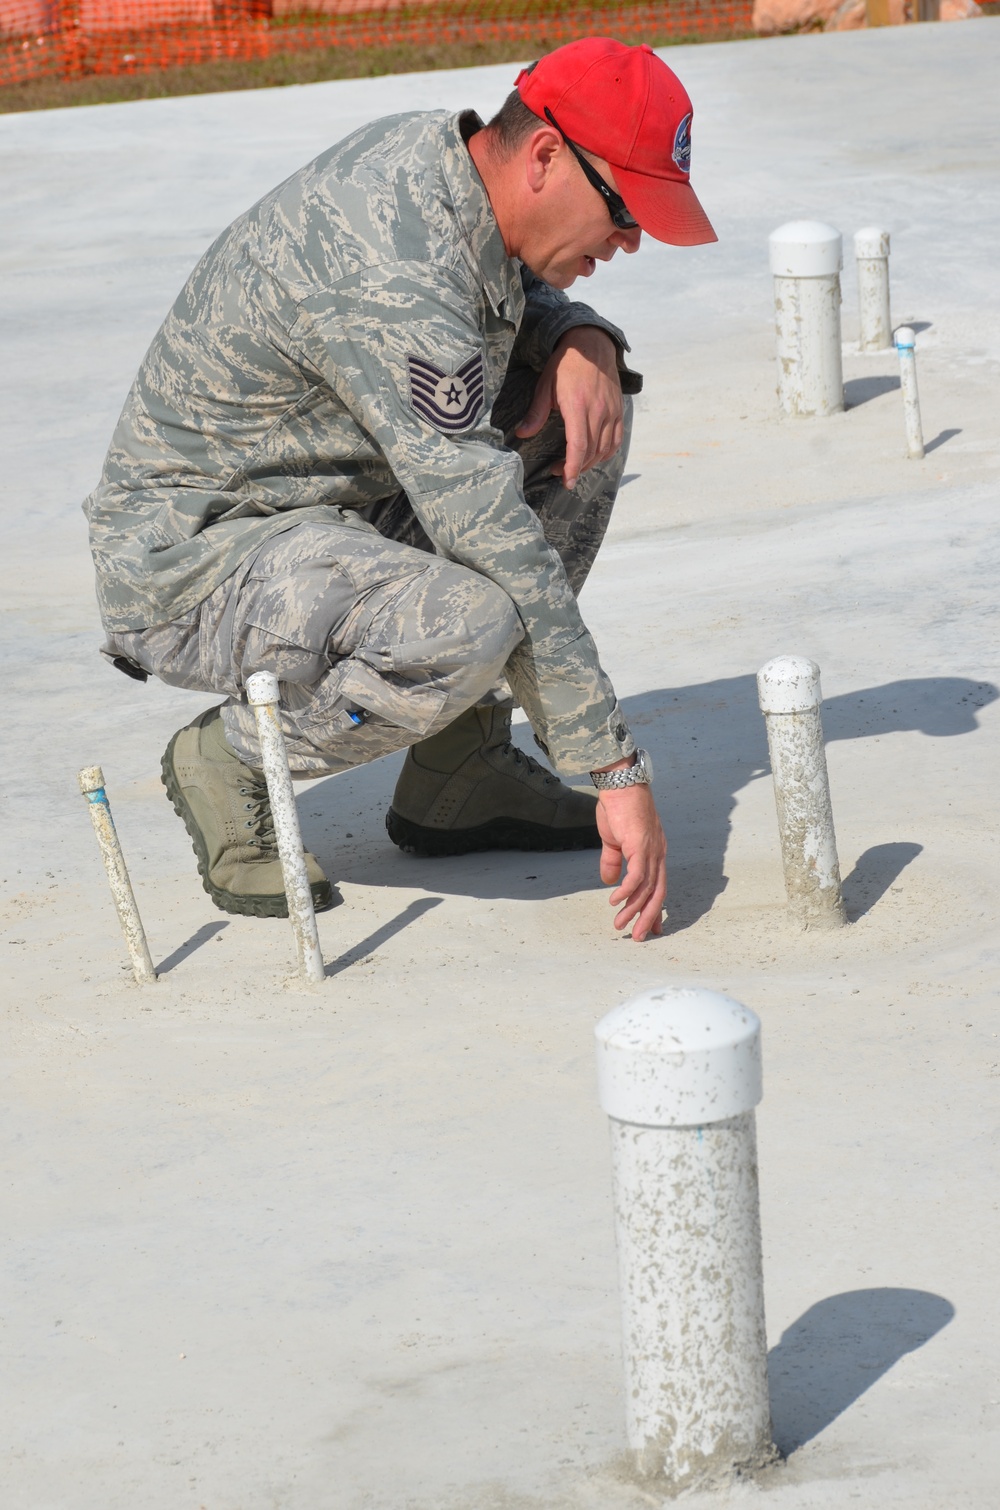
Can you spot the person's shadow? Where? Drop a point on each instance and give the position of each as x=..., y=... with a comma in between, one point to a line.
x=707, y=741
x=838, y=1349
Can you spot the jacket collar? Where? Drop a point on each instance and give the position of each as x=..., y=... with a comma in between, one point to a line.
x=501, y=274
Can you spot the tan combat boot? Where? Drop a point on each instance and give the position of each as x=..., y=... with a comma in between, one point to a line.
x=468, y=788
x=225, y=808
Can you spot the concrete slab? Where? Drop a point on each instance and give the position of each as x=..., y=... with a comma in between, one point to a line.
x=267, y=1249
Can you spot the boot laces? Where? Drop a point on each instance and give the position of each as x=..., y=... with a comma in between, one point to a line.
x=261, y=819
x=519, y=757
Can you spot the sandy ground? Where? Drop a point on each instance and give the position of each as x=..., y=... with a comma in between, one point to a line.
x=353, y=1250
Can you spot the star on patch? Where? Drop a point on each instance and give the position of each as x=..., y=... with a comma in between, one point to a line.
x=450, y=401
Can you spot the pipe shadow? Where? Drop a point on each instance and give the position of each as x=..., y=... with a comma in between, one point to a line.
x=711, y=742
x=409, y=914
x=862, y=390
x=838, y=1349
x=940, y=440
x=873, y=874
x=201, y=936
x=708, y=743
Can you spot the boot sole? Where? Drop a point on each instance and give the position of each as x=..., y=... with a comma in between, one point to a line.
x=228, y=901
x=499, y=833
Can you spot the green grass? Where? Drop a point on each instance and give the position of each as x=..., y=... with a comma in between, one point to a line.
x=269, y=73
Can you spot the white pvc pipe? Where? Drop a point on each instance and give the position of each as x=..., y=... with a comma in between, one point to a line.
x=871, y=253
x=679, y=1075
x=92, y=786
x=263, y=696
x=790, y=698
x=806, y=257
x=905, y=342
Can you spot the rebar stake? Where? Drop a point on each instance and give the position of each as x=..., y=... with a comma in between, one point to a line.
x=264, y=697
x=92, y=786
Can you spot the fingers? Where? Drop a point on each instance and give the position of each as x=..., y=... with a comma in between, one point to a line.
x=631, y=832
x=593, y=436
x=643, y=895
x=578, y=451
x=541, y=406
x=581, y=382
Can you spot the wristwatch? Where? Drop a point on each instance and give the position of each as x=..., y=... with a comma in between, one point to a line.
x=640, y=774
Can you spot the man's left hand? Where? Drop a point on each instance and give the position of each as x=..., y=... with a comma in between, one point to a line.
x=581, y=381
x=633, y=839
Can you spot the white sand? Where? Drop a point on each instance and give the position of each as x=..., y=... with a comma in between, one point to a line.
x=354, y=1251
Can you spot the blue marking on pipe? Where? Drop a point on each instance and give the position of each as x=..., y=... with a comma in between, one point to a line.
x=97, y=795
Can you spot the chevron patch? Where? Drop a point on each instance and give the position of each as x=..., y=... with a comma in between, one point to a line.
x=450, y=401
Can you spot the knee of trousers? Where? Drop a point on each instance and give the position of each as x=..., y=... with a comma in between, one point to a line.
x=414, y=673
x=492, y=629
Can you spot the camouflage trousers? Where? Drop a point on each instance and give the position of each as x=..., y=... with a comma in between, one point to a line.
x=377, y=642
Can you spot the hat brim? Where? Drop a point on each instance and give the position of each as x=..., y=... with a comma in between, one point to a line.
x=665, y=209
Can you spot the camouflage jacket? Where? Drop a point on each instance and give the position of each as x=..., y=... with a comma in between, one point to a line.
x=342, y=340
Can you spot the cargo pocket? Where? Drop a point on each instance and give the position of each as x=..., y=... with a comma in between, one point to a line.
x=287, y=621
x=406, y=705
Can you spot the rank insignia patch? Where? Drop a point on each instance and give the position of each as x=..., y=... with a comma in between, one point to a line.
x=449, y=401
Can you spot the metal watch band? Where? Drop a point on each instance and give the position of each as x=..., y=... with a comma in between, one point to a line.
x=640, y=774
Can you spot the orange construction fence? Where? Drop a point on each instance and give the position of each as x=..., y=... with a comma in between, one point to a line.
x=70, y=38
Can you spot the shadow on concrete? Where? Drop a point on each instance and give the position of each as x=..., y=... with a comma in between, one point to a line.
x=708, y=743
x=858, y=391
x=375, y=940
x=940, y=440
x=873, y=874
x=205, y=932
x=838, y=1349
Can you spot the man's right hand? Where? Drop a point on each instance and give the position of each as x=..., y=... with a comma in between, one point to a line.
x=633, y=837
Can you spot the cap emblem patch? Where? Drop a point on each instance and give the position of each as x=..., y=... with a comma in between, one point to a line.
x=449, y=401
x=682, y=145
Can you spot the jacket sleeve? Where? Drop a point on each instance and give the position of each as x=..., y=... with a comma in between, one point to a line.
x=548, y=314
x=401, y=346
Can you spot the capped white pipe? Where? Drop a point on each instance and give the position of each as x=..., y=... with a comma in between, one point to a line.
x=806, y=257
x=91, y=780
x=264, y=697
x=871, y=253
x=679, y=1075
x=789, y=691
x=905, y=344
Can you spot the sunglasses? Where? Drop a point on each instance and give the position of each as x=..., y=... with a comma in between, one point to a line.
x=616, y=205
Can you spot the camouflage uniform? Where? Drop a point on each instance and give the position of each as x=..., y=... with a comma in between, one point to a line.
x=330, y=376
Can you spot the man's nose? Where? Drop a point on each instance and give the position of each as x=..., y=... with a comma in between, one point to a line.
x=627, y=240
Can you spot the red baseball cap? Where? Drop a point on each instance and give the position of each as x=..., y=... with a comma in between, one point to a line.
x=625, y=105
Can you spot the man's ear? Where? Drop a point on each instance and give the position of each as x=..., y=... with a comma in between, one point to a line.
x=542, y=152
